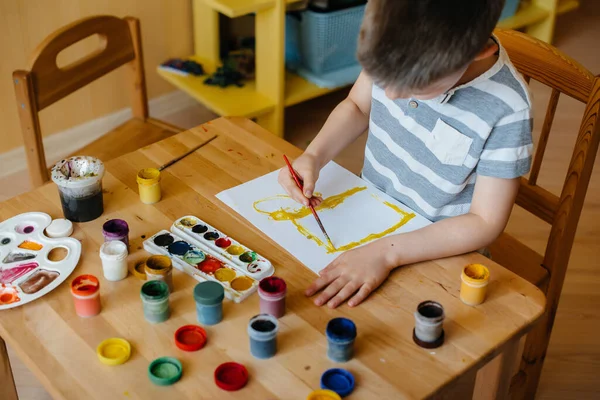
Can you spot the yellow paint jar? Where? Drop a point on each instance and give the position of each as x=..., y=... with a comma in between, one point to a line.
x=475, y=279
x=148, y=180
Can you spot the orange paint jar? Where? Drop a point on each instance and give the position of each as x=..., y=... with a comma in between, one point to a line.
x=86, y=295
x=475, y=279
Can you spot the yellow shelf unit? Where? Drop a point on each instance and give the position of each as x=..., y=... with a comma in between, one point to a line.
x=274, y=88
x=538, y=17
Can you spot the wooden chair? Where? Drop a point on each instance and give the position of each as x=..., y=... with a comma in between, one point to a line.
x=44, y=83
x=546, y=64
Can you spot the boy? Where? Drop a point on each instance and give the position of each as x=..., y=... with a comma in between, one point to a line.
x=449, y=136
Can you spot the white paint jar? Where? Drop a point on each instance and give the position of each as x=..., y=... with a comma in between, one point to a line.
x=114, y=260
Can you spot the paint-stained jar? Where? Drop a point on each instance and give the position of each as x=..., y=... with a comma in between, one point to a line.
x=160, y=268
x=262, y=330
x=341, y=333
x=148, y=180
x=272, y=291
x=116, y=229
x=209, y=302
x=86, y=295
x=475, y=279
x=155, y=300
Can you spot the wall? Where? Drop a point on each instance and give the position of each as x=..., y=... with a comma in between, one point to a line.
x=166, y=32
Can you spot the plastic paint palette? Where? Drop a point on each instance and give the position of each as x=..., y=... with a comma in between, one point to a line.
x=202, y=265
x=32, y=264
x=218, y=244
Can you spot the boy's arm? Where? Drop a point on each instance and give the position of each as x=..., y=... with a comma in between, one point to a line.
x=492, y=203
x=346, y=123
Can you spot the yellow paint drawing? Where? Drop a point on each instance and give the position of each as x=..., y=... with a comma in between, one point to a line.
x=295, y=214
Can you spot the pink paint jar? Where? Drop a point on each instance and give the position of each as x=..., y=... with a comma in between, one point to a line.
x=272, y=292
x=86, y=295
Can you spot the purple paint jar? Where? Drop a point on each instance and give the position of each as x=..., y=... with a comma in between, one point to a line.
x=116, y=229
x=272, y=291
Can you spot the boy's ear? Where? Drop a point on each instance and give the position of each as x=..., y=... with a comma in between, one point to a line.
x=490, y=49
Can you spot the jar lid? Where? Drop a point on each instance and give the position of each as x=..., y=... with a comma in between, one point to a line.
x=113, y=351
x=190, y=338
x=154, y=290
x=209, y=293
x=323, y=395
x=341, y=329
x=113, y=250
x=85, y=285
x=158, y=265
x=338, y=380
x=139, y=270
x=148, y=176
x=231, y=376
x=77, y=171
x=115, y=227
x=59, y=228
x=165, y=371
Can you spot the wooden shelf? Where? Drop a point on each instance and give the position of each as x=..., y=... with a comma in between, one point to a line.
x=298, y=89
x=230, y=101
x=237, y=8
x=527, y=15
x=565, y=6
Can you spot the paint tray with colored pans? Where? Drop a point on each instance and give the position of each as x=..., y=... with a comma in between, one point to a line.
x=201, y=265
x=32, y=264
x=217, y=243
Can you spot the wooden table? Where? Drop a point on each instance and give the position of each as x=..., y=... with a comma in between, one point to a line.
x=59, y=347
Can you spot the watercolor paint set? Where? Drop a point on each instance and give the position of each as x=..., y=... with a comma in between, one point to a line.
x=202, y=265
x=32, y=264
x=219, y=244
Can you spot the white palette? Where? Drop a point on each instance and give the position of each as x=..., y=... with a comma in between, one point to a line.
x=26, y=273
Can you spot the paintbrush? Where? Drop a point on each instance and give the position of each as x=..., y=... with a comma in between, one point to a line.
x=301, y=186
x=173, y=161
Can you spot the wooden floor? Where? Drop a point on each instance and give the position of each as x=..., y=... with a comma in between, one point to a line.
x=572, y=367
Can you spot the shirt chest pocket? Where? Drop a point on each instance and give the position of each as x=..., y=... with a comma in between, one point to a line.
x=448, y=145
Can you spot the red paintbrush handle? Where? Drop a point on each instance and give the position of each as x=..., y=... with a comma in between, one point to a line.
x=293, y=173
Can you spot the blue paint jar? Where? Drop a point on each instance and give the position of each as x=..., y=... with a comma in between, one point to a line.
x=209, y=302
x=155, y=299
x=341, y=333
x=262, y=330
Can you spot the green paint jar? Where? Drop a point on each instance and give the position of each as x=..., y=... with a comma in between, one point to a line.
x=209, y=302
x=155, y=299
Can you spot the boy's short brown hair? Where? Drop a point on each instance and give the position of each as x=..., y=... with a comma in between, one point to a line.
x=413, y=43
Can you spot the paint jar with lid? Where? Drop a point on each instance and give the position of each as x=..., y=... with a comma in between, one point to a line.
x=148, y=180
x=155, y=299
x=114, y=260
x=116, y=229
x=262, y=330
x=272, y=291
x=429, y=330
x=209, y=302
x=475, y=279
x=86, y=295
x=79, y=181
x=160, y=268
x=341, y=333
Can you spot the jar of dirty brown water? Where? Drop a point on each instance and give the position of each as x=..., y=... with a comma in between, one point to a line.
x=148, y=180
x=160, y=268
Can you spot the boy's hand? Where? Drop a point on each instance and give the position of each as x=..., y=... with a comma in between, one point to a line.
x=307, y=168
x=362, y=269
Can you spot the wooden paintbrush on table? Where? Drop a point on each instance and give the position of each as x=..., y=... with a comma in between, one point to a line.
x=301, y=186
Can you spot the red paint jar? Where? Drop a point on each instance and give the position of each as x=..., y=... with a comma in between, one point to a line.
x=86, y=295
x=272, y=291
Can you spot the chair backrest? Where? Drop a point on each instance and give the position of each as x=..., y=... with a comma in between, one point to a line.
x=544, y=63
x=45, y=82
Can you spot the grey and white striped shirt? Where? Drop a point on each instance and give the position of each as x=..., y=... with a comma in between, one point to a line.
x=428, y=153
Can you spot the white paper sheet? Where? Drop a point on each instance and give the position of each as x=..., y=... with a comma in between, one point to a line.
x=358, y=216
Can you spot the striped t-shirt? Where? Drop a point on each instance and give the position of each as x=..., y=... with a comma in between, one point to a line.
x=428, y=153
